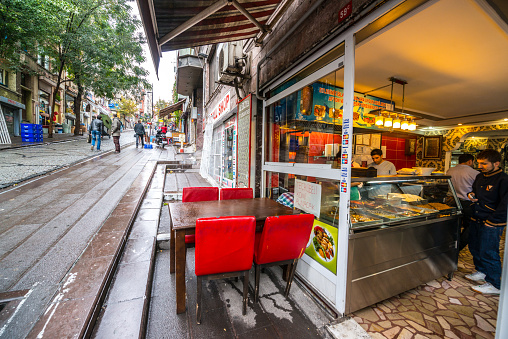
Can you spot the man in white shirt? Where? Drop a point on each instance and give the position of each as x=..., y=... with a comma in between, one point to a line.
x=463, y=176
x=384, y=167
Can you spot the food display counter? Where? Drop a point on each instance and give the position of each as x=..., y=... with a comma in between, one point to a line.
x=403, y=232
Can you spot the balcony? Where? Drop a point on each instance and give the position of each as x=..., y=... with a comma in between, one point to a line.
x=189, y=73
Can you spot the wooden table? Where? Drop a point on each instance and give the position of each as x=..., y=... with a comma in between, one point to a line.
x=183, y=222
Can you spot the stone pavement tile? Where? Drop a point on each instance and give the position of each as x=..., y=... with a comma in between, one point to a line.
x=106, y=243
x=137, y=250
x=214, y=323
x=15, y=236
x=86, y=278
x=116, y=223
x=151, y=203
x=143, y=229
x=164, y=322
x=148, y=215
x=125, y=208
x=129, y=282
x=73, y=310
x=120, y=320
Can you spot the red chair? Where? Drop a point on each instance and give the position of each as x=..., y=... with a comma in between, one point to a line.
x=282, y=242
x=236, y=193
x=193, y=194
x=224, y=248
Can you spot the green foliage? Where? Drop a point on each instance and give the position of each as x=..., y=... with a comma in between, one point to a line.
x=160, y=104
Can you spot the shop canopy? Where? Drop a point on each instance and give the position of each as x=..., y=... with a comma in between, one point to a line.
x=166, y=111
x=175, y=24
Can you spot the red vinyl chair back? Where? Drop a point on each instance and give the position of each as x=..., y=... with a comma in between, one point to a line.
x=284, y=237
x=192, y=194
x=236, y=193
x=224, y=244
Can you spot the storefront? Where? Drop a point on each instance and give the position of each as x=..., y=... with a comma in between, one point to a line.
x=329, y=110
x=11, y=110
x=70, y=115
x=44, y=107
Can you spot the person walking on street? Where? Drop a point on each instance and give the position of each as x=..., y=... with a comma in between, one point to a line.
x=116, y=126
x=490, y=198
x=96, y=130
x=463, y=176
x=139, y=129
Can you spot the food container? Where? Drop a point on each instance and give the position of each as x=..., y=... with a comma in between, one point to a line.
x=424, y=170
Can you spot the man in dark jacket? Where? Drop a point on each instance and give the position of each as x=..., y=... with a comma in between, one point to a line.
x=96, y=130
x=139, y=129
x=490, y=198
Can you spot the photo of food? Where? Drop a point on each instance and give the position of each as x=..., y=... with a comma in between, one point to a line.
x=319, y=112
x=335, y=113
x=323, y=243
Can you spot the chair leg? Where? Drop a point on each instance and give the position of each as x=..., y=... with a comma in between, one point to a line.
x=198, y=300
x=245, y=291
x=256, y=285
x=291, y=276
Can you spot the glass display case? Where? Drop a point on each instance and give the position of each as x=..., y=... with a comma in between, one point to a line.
x=389, y=201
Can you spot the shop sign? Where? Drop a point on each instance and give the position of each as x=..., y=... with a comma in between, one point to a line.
x=308, y=197
x=12, y=102
x=221, y=108
x=345, y=11
x=324, y=103
x=322, y=245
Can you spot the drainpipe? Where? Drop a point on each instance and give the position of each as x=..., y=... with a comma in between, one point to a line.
x=289, y=32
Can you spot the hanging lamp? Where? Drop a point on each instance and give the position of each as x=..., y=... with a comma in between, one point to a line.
x=396, y=122
x=404, y=125
x=388, y=122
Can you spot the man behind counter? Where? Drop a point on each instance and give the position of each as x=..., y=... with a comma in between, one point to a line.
x=384, y=167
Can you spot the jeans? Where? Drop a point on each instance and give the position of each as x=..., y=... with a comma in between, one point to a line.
x=96, y=134
x=140, y=137
x=484, y=246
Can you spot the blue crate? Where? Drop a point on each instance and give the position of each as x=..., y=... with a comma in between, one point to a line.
x=28, y=139
x=38, y=127
x=27, y=134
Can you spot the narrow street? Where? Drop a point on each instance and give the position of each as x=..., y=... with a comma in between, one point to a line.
x=47, y=223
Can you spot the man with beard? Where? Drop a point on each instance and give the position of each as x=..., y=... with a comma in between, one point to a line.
x=490, y=198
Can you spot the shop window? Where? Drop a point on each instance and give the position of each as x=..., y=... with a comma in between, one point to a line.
x=4, y=77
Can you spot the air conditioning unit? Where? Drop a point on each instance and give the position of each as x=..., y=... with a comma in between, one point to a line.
x=227, y=63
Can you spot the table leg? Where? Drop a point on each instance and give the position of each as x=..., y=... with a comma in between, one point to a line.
x=180, y=270
x=172, y=257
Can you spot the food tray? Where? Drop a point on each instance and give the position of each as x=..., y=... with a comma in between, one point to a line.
x=364, y=224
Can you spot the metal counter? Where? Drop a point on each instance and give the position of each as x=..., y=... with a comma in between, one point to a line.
x=387, y=261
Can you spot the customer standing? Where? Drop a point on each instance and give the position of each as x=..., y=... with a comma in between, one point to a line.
x=490, y=197
x=116, y=127
x=139, y=129
x=463, y=176
x=96, y=128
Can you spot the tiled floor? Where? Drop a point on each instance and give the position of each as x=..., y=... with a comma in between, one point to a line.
x=438, y=309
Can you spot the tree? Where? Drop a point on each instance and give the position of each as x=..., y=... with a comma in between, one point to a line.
x=160, y=104
x=127, y=107
x=94, y=41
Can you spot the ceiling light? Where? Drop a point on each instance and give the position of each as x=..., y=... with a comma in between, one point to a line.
x=412, y=126
x=459, y=124
x=505, y=119
x=388, y=122
x=404, y=125
x=379, y=121
x=396, y=122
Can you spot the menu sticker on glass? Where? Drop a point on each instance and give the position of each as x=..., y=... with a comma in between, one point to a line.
x=322, y=245
x=308, y=197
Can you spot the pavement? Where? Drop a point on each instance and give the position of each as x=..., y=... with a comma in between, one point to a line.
x=18, y=164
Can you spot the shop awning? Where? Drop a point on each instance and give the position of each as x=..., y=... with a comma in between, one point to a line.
x=170, y=109
x=175, y=24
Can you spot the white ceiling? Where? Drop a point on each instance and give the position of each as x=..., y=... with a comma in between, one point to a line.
x=452, y=54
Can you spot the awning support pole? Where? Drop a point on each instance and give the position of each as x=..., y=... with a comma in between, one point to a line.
x=248, y=16
x=192, y=21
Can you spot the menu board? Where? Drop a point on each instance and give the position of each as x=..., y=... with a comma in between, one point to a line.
x=244, y=131
x=323, y=102
x=322, y=245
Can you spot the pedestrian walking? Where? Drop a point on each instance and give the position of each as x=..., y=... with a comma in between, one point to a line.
x=139, y=129
x=463, y=176
x=490, y=198
x=116, y=127
x=96, y=130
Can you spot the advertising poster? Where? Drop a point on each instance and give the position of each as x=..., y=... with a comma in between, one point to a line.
x=322, y=245
x=324, y=103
